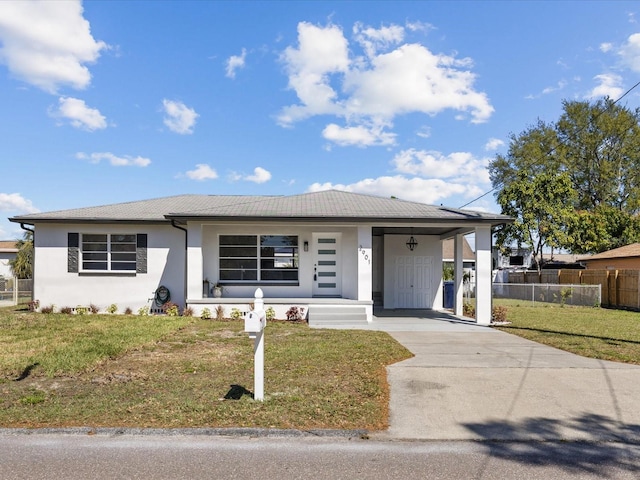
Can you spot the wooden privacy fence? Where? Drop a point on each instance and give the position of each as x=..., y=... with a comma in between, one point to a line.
x=619, y=288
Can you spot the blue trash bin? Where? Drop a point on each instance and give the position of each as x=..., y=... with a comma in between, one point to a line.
x=448, y=294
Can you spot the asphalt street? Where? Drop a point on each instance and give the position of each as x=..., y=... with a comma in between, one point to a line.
x=124, y=456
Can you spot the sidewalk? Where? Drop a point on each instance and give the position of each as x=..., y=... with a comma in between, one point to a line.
x=476, y=383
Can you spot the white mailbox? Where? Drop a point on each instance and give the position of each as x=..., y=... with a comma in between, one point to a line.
x=254, y=322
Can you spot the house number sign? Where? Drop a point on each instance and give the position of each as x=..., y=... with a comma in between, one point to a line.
x=364, y=254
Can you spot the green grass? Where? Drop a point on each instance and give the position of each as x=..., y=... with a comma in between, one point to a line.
x=170, y=372
x=588, y=331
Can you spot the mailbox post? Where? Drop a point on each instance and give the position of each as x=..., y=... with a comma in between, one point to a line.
x=254, y=323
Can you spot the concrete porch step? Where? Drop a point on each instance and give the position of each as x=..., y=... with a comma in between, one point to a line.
x=320, y=315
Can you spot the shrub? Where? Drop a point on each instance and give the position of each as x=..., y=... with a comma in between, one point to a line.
x=49, y=309
x=80, y=310
x=206, y=314
x=142, y=311
x=33, y=305
x=188, y=312
x=468, y=310
x=270, y=313
x=171, y=309
x=499, y=314
x=295, y=314
x=94, y=308
x=219, y=312
x=236, y=314
x=113, y=308
x=66, y=310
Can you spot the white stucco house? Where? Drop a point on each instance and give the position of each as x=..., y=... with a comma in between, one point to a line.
x=8, y=252
x=328, y=252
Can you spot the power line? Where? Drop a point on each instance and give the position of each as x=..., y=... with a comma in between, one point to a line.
x=552, y=150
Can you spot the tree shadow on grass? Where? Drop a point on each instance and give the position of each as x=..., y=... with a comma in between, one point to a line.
x=572, y=334
x=602, y=443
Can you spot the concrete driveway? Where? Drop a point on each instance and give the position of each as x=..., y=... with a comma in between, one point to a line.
x=468, y=382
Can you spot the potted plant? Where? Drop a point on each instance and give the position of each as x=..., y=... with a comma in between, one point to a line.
x=217, y=290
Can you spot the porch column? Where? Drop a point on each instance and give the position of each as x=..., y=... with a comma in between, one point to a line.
x=458, y=274
x=194, y=261
x=483, y=275
x=365, y=275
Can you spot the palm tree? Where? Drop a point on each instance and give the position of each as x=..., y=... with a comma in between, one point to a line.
x=22, y=265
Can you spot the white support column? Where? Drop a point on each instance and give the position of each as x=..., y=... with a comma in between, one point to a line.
x=365, y=270
x=483, y=275
x=194, y=261
x=458, y=274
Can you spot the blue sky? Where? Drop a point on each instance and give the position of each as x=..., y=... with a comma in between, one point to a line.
x=103, y=101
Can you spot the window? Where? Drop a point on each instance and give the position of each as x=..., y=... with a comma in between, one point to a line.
x=102, y=252
x=259, y=258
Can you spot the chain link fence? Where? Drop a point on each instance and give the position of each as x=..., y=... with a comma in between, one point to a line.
x=14, y=291
x=580, y=295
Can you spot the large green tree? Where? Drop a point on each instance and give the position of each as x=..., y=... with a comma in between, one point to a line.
x=594, y=152
x=22, y=265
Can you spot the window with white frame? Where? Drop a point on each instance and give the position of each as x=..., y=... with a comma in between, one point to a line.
x=108, y=252
x=259, y=258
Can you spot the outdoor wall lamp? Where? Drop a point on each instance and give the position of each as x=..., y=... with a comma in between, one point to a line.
x=411, y=243
x=305, y=245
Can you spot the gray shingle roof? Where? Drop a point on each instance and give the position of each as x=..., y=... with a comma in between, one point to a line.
x=318, y=205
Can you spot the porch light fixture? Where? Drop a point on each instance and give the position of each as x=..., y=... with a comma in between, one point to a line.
x=306, y=246
x=411, y=243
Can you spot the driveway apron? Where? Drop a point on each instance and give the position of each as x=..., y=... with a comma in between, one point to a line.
x=467, y=382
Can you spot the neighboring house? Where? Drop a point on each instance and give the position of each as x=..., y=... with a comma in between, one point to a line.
x=627, y=257
x=8, y=252
x=516, y=258
x=468, y=256
x=319, y=251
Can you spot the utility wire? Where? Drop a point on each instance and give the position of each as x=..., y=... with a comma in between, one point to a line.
x=553, y=149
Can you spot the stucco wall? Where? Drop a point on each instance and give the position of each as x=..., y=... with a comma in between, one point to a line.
x=5, y=269
x=428, y=246
x=54, y=285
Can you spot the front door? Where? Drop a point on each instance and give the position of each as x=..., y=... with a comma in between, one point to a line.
x=413, y=282
x=327, y=275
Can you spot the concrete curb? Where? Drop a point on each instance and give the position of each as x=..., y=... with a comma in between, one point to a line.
x=211, y=432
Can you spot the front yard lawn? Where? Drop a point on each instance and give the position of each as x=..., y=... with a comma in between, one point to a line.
x=167, y=372
x=588, y=331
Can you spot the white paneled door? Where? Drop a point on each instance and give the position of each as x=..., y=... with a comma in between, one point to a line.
x=413, y=282
x=327, y=275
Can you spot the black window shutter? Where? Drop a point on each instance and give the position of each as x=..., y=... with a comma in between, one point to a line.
x=73, y=252
x=141, y=253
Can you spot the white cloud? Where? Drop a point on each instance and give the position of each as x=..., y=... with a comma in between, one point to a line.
x=47, y=44
x=372, y=39
x=79, y=114
x=458, y=166
x=202, y=172
x=547, y=90
x=235, y=62
x=609, y=86
x=260, y=175
x=178, y=117
x=430, y=191
x=125, y=161
x=424, y=176
x=360, y=136
x=630, y=52
x=370, y=90
x=606, y=47
x=493, y=144
x=14, y=202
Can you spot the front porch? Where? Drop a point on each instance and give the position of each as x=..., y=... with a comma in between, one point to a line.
x=316, y=309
